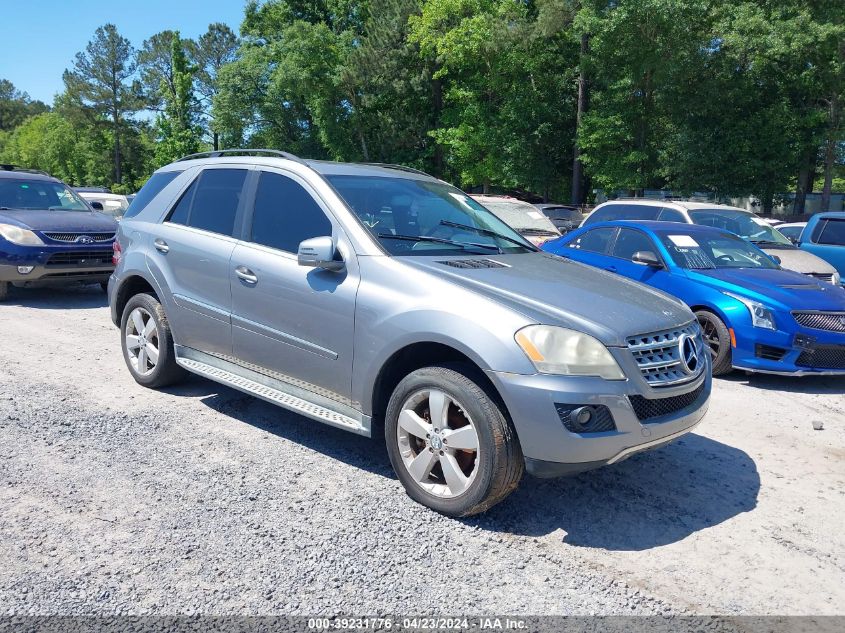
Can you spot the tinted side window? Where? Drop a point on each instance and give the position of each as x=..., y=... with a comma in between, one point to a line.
x=594, y=241
x=624, y=212
x=833, y=232
x=216, y=200
x=179, y=214
x=631, y=241
x=285, y=214
x=671, y=215
x=154, y=185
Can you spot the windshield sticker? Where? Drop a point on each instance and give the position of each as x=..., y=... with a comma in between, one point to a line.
x=683, y=241
x=535, y=215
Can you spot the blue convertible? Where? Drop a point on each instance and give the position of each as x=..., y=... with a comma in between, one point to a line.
x=754, y=315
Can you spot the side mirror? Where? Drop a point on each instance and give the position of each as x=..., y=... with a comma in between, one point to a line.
x=319, y=252
x=646, y=258
x=97, y=206
x=776, y=259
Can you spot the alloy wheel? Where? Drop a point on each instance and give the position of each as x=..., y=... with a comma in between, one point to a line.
x=142, y=341
x=438, y=442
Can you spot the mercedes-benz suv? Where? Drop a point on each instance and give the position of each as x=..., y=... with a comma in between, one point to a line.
x=376, y=296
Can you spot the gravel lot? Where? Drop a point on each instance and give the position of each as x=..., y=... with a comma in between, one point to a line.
x=115, y=499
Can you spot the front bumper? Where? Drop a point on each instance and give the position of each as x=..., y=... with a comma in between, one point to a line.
x=805, y=351
x=43, y=274
x=550, y=449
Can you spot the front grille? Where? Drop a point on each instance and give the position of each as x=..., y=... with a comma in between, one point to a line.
x=830, y=321
x=602, y=419
x=823, y=357
x=658, y=355
x=650, y=408
x=472, y=263
x=768, y=352
x=72, y=237
x=828, y=277
x=80, y=258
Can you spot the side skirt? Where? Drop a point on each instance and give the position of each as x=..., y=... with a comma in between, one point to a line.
x=274, y=391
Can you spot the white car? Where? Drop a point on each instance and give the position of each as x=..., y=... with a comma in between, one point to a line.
x=792, y=230
x=114, y=204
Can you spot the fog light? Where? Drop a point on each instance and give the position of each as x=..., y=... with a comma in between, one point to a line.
x=581, y=417
x=25, y=270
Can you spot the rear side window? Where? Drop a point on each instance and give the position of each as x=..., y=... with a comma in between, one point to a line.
x=833, y=232
x=671, y=215
x=630, y=241
x=624, y=212
x=154, y=185
x=211, y=202
x=595, y=241
x=285, y=214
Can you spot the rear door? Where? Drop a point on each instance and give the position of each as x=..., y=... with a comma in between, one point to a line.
x=191, y=251
x=292, y=322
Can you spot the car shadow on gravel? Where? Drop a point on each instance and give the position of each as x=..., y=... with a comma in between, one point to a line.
x=800, y=384
x=652, y=499
x=360, y=452
x=57, y=298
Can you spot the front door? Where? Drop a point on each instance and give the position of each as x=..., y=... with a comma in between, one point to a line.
x=292, y=322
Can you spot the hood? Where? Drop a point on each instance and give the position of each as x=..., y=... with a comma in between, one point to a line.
x=793, y=258
x=58, y=221
x=791, y=290
x=556, y=291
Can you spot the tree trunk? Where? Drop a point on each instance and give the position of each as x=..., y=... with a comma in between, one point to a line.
x=216, y=141
x=830, y=154
x=804, y=181
x=118, y=175
x=577, y=165
x=768, y=202
x=437, y=102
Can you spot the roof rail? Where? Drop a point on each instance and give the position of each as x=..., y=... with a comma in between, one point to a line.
x=8, y=167
x=399, y=168
x=242, y=152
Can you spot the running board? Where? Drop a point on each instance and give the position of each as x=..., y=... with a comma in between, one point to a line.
x=274, y=396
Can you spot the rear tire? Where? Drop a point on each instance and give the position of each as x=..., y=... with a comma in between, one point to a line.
x=483, y=463
x=718, y=340
x=147, y=343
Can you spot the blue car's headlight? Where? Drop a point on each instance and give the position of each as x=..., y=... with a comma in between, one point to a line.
x=17, y=235
x=761, y=316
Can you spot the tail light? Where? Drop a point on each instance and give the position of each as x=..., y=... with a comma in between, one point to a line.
x=117, y=252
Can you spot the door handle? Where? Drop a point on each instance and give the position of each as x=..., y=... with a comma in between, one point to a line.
x=246, y=275
x=161, y=245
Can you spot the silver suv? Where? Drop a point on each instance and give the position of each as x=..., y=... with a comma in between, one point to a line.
x=376, y=295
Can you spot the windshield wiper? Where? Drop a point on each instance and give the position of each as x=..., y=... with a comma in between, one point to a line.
x=770, y=243
x=438, y=240
x=467, y=227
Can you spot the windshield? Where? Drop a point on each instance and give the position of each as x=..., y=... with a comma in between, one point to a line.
x=38, y=194
x=707, y=251
x=420, y=217
x=742, y=223
x=521, y=215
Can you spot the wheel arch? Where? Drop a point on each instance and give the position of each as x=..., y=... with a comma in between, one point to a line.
x=128, y=287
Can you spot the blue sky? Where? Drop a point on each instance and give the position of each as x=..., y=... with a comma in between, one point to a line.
x=39, y=38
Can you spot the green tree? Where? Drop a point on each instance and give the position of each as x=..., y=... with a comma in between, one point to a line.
x=16, y=106
x=177, y=130
x=155, y=66
x=101, y=81
x=210, y=53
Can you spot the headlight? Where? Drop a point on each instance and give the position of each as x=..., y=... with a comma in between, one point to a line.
x=17, y=235
x=761, y=316
x=556, y=350
x=836, y=279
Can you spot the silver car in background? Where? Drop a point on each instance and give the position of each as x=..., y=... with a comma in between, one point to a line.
x=368, y=296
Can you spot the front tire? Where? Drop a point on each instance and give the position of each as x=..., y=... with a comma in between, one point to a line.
x=718, y=340
x=450, y=443
x=4, y=290
x=147, y=343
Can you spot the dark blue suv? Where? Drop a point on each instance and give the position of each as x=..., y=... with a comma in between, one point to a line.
x=48, y=234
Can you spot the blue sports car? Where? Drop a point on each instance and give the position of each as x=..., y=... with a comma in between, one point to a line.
x=754, y=315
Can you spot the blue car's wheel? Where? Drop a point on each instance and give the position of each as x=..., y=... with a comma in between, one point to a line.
x=718, y=340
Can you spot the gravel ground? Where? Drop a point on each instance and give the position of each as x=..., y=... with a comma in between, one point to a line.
x=115, y=499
